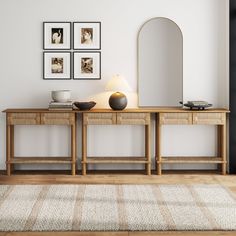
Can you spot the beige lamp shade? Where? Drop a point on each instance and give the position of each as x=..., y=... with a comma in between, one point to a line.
x=118, y=84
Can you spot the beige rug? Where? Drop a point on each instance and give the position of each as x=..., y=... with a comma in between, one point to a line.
x=116, y=207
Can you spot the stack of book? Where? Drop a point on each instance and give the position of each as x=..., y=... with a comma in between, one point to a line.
x=60, y=105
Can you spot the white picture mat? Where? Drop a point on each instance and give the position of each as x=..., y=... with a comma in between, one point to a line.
x=77, y=35
x=96, y=65
x=48, y=35
x=48, y=65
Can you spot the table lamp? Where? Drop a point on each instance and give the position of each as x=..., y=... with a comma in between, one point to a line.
x=118, y=84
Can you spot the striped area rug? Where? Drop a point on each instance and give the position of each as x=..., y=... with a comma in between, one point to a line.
x=116, y=207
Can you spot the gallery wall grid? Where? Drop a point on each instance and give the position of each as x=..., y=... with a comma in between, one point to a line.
x=58, y=39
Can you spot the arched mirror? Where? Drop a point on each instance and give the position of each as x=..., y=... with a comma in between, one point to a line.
x=160, y=63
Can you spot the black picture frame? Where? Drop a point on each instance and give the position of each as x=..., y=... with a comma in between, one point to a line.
x=77, y=67
x=57, y=75
x=95, y=26
x=47, y=35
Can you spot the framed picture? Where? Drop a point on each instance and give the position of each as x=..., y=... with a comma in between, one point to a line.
x=56, y=35
x=87, y=65
x=87, y=35
x=56, y=65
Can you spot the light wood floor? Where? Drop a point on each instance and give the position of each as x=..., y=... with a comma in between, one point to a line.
x=124, y=178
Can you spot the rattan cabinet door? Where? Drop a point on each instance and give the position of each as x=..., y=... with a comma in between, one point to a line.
x=175, y=118
x=208, y=118
x=99, y=118
x=134, y=118
x=24, y=118
x=59, y=118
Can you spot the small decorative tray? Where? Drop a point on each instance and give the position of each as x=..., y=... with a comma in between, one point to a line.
x=193, y=106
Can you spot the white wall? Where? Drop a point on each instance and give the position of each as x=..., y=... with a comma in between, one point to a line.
x=204, y=26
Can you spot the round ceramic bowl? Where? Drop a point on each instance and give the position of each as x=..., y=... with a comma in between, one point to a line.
x=85, y=105
x=61, y=95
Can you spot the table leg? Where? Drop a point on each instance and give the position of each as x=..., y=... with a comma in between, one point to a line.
x=219, y=145
x=76, y=155
x=84, y=147
x=223, y=150
x=158, y=145
x=12, y=146
x=73, y=144
x=8, y=149
x=147, y=149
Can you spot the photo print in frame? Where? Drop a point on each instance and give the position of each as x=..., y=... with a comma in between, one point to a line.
x=56, y=35
x=87, y=65
x=57, y=65
x=87, y=35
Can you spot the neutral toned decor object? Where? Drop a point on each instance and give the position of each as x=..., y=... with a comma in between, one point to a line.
x=56, y=35
x=56, y=65
x=164, y=116
x=61, y=95
x=60, y=105
x=83, y=106
x=196, y=105
x=118, y=101
x=117, y=207
x=87, y=35
x=118, y=84
x=87, y=65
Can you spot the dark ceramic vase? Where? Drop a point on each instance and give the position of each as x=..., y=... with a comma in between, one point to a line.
x=118, y=101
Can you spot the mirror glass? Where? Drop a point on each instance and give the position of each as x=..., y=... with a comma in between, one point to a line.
x=160, y=63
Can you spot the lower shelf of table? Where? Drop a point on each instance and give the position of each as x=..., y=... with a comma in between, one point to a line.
x=40, y=160
x=118, y=160
x=200, y=160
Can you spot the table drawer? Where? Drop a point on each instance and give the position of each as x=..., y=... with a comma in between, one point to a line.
x=175, y=118
x=208, y=118
x=99, y=118
x=23, y=118
x=133, y=118
x=57, y=118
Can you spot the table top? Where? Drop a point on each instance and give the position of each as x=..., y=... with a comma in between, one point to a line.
x=106, y=110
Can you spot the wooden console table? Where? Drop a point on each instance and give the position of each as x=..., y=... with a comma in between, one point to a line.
x=126, y=117
x=164, y=116
x=209, y=117
x=38, y=117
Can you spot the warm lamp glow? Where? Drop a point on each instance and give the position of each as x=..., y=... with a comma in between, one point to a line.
x=118, y=84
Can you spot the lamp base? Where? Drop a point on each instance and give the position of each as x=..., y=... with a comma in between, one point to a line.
x=118, y=101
